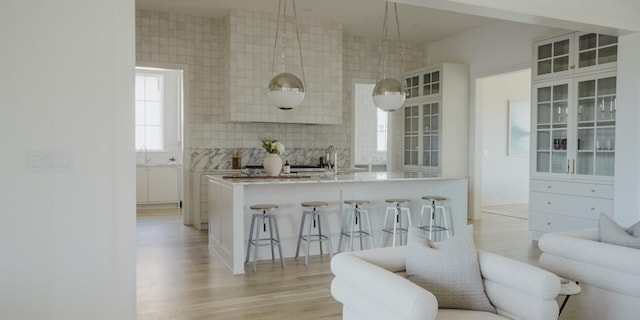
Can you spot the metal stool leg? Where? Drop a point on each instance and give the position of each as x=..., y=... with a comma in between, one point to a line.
x=253, y=217
x=271, y=238
x=300, y=234
x=306, y=259
x=255, y=250
x=370, y=230
x=275, y=225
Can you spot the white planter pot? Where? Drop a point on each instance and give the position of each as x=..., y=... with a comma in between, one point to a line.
x=272, y=165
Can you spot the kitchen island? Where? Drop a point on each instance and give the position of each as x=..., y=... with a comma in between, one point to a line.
x=231, y=197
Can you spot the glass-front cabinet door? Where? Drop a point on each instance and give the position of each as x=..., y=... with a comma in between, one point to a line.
x=551, y=127
x=553, y=56
x=422, y=122
x=596, y=122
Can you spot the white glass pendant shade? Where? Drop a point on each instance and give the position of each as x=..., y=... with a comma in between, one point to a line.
x=286, y=91
x=389, y=94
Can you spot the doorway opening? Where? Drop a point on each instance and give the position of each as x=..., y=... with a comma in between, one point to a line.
x=502, y=119
x=159, y=132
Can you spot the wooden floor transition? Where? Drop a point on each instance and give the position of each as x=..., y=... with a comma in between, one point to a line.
x=177, y=277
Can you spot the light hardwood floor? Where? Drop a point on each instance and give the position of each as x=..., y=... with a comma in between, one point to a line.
x=177, y=277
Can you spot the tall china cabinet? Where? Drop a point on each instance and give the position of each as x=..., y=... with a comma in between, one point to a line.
x=435, y=117
x=573, y=121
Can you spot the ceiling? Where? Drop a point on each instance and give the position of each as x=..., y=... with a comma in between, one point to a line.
x=359, y=17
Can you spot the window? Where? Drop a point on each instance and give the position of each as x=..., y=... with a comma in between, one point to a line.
x=149, y=112
x=381, y=132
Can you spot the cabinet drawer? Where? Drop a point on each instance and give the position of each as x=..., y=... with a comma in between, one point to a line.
x=549, y=222
x=573, y=188
x=581, y=207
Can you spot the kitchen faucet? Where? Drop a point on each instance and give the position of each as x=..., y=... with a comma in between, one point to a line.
x=332, y=159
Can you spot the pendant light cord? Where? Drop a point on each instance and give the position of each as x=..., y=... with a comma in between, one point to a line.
x=275, y=42
x=383, y=40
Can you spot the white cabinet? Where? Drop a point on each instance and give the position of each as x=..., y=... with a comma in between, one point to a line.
x=437, y=103
x=573, y=119
x=157, y=184
x=558, y=205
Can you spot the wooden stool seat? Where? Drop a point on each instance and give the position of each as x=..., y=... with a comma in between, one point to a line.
x=264, y=207
x=356, y=202
x=397, y=200
x=434, y=198
x=314, y=204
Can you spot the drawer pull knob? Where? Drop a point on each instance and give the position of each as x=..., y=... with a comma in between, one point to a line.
x=549, y=203
x=549, y=187
x=593, y=190
x=593, y=209
x=548, y=223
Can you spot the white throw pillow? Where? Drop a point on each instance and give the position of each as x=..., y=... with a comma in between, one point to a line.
x=613, y=233
x=448, y=269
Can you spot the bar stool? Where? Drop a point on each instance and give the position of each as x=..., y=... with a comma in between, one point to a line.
x=267, y=218
x=317, y=217
x=355, y=215
x=437, y=222
x=397, y=208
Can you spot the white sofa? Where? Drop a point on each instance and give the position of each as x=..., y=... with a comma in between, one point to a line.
x=371, y=285
x=608, y=274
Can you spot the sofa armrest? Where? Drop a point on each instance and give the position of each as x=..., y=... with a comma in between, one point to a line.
x=608, y=266
x=519, y=289
x=375, y=293
x=598, y=253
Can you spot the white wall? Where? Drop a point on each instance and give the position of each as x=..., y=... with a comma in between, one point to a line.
x=66, y=91
x=490, y=50
x=505, y=178
x=627, y=172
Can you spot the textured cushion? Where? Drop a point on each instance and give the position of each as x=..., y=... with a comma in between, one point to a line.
x=448, y=269
x=613, y=233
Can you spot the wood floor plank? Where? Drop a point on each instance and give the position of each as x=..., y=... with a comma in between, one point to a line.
x=179, y=279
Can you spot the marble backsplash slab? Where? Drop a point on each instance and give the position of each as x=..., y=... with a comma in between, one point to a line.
x=208, y=159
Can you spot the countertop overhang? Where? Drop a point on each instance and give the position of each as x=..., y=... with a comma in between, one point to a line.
x=332, y=178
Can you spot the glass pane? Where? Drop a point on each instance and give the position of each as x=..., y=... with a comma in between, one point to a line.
x=588, y=41
x=414, y=112
x=544, y=113
x=543, y=140
x=435, y=88
x=587, y=89
x=607, y=40
x=435, y=123
x=561, y=48
x=586, y=110
x=559, y=162
x=426, y=110
x=426, y=159
x=153, y=88
x=584, y=163
x=606, y=139
x=559, y=139
x=140, y=118
x=415, y=81
x=544, y=94
x=609, y=54
x=153, y=113
x=435, y=108
x=561, y=92
x=139, y=137
x=542, y=162
x=585, y=139
x=427, y=78
x=407, y=143
x=435, y=143
x=607, y=86
x=606, y=108
x=407, y=157
x=587, y=58
x=435, y=161
x=414, y=158
x=414, y=124
x=435, y=76
x=426, y=142
x=414, y=92
x=561, y=64
x=153, y=137
x=605, y=163
x=139, y=87
x=544, y=67
x=544, y=51
x=560, y=112
x=426, y=90
x=414, y=143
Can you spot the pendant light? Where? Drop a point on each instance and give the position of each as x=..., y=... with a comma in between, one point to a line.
x=286, y=91
x=389, y=94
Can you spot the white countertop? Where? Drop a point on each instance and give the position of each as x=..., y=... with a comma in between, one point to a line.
x=330, y=178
